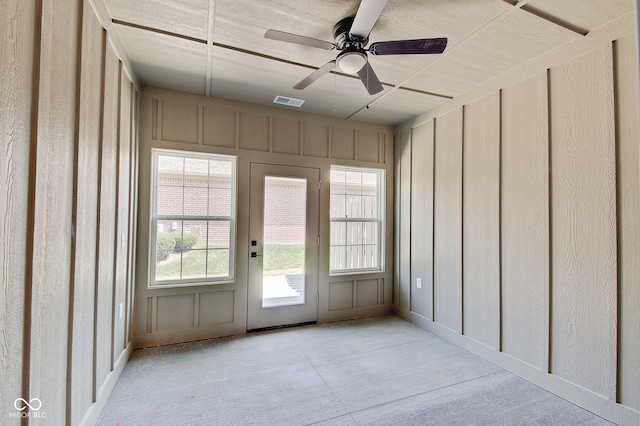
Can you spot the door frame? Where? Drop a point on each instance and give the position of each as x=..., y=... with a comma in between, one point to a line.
x=259, y=317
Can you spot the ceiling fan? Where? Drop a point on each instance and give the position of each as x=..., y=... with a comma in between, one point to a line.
x=351, y=36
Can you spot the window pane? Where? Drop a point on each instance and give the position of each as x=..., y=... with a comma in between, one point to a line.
x=192, y=185
x=167, y=257
x=219, y=234
x=169, y=185
x=338, y=204
x=356, y=224
x=169, y=201
x=196, y=172
x=196, y=201
x=171, y=167
x=353, y=181
x=220, y=200
x=218, y=262
x=285, y=210
x=193, y=249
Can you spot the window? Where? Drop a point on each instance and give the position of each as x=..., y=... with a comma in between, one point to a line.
x=357, y=220
x=193, y=214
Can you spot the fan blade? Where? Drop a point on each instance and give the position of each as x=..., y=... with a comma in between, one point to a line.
x=298, y=39
x=409, y=47
x=370, y=79
x=366, y=17
x=315, y=75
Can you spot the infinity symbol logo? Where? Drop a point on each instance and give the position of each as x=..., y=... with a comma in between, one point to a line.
x=34, y=404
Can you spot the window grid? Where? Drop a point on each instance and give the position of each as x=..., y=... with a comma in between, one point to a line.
x=209, y=248
x=356, y=220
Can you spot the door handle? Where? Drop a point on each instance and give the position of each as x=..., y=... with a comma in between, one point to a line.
x=254, y=254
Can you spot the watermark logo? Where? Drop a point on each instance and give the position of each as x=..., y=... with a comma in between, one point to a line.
x=34, y=405
x=21, y=404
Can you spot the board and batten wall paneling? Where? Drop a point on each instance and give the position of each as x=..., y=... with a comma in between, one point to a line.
x=341, y=295
x=254, y=134
x=525, y=221
x=404, y=239
x=368, y=293
x=569, y=225
x=286, y=136
x=315, y=142
x=481, y=220
x=369, y=147
x=219, y=128
x=84, y=274
x=131, y=229
x=215, y=308
x=52, y=206
x=583, y=253
x=179, y=123
x=422, y=219
x=107, y=221
x=626, y=89
x=343, y=143
x=122, y=220
x=447, y=221
x=16, y=74
x=53, y=123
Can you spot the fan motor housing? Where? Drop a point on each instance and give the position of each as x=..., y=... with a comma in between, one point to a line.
x=341, y=34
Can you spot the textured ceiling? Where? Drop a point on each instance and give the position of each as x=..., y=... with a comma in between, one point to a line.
x=217, y=47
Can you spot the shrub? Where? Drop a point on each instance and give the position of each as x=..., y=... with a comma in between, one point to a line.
x=187, y=241
x=165, y=243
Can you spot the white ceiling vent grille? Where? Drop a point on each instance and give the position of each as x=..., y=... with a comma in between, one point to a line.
x=283, y=100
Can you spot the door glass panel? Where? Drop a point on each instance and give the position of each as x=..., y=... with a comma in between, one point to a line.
x=283, y=268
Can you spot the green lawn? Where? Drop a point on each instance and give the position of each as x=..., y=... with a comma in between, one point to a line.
x=278, y=259
x=193, y=264
x=281, y=259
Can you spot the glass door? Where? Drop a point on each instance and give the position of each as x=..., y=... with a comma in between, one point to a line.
x=283, y=247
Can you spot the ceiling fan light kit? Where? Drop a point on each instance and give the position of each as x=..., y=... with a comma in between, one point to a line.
x=351, y=61
x=351, y=35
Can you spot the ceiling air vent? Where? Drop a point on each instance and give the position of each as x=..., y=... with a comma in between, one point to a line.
x=283, y=100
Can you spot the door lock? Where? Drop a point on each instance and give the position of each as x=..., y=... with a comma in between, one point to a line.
x=254, y=254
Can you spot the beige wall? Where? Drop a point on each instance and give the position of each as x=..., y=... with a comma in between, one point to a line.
x=67, y=170
x=280, y=136
x=528, y=250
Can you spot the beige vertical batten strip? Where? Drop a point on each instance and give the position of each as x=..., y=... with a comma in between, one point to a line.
x=500, y=299
x=29, y=249
x=149, y=327
x=154, y=119
x=196, y=309
x=638, y=61
x=433, y=223
x=74, y=218
x=550, y=219
x=98, y=210
x=200, y=136
x=462, y=120
x=410, y=218
x=130, y=216
x=116, y=230
x=619, y=269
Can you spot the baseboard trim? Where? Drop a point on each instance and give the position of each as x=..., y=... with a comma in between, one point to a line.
x=93, y=413
x=590, y=401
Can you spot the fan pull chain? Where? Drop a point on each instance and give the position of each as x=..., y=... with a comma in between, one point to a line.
x=335, y=89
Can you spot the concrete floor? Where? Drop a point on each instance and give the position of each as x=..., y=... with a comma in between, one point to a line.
x=372, y=371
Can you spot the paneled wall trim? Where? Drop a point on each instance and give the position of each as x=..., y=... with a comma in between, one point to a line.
x=264, y=130
x=254, y=134
x=519, y=233
x=68, y=167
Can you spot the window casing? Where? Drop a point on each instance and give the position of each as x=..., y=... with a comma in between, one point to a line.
x=193, y=219
x=357, y=220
